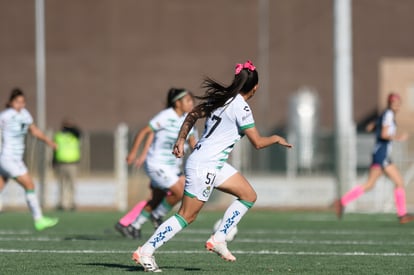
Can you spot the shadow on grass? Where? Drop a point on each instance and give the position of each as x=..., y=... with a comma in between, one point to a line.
x=83, y=238
x=140, y=268
x=117, y=266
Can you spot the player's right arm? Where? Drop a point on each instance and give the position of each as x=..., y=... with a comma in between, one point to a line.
x=139, y=138
x=191, y=118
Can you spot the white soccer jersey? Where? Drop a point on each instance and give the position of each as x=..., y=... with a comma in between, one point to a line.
x=223, y=129
x=14, y=126
x=389, y=120
x=166, y=125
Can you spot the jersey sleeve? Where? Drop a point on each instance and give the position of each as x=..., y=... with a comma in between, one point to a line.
x=244, y=116
x=157, y=122
x=2, y=120
x=388, y=118
x=28, y=119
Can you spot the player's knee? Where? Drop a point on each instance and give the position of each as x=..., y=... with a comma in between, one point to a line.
x=250, y=196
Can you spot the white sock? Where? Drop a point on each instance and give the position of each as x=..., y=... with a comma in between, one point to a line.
x=33, y=204
x=231, y=218
x=164, y=233
x=162, y=209
x=141, y=219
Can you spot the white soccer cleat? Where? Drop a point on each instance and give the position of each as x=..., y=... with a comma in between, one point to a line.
x=220, y=248
x=147, y=261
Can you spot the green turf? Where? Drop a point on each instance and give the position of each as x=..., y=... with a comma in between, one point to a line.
x=267, y=243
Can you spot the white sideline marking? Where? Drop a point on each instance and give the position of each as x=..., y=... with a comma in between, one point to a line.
x=247, y=231
x=261, y=252
x=239, y=240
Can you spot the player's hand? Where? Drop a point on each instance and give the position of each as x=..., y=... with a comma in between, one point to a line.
x=178, y=149
x=139, y=162
x=52, y=145
x=130, y=159
x=283, y=142
x=402, y=137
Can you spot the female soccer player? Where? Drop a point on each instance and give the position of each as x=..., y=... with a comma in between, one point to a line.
x=386, y=132
x=160, y=165
x=228, y=118
x=15, y=122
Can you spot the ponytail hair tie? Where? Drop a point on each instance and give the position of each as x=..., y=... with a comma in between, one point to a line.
x=247, y=65
x=392, y=97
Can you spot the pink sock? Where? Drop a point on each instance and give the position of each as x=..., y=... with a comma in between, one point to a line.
x=353, y=194
x=399, y=194
x=133, y=214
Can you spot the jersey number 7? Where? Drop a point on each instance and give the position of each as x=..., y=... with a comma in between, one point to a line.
x=218, y=120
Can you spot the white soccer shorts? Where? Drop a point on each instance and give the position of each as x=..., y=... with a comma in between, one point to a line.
x=162, y=176
x=12, y=168
x=200, y=182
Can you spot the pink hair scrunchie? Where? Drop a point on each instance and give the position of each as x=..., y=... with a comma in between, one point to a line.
x=247, y=65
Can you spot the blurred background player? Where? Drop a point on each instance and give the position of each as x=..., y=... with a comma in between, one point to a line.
x=66, y=161
x=228, y=118
x=15, y=122
x=163, y=169
x=386, y=132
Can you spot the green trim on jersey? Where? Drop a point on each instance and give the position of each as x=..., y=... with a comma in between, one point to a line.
x=172, y=130
x=152, y=128
x=170, y=162
x=248, y=126
x=189, y=194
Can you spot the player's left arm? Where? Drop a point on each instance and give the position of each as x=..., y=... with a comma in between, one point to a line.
x=143, y=155
x=260, y=142
x=37, y=133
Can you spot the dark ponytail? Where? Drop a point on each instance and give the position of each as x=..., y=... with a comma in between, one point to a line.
x=216, y=94
x=16, y=92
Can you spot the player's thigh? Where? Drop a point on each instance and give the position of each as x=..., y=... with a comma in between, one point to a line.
x=176, y=191
x=238, y=186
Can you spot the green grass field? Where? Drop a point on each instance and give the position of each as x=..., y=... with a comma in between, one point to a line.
x=267, y=243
